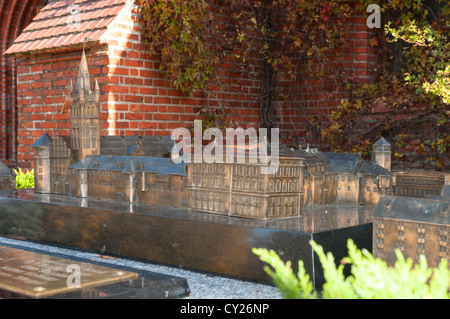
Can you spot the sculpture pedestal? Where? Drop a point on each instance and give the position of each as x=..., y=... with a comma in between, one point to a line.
x=182, y=238
x=30, y=275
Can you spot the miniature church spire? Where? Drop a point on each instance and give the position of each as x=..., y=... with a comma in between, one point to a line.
x=84, y=115
x=84, y=78
x=97, y=91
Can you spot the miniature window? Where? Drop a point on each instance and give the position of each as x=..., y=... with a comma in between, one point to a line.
x=368, y=188
x=348, y=188
x=349, y=179
x=374, y=189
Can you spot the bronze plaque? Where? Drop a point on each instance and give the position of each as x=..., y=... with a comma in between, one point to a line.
x=35, y=275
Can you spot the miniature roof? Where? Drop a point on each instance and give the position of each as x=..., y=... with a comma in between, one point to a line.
x=62, y=23
x=368, y=168
x=420, y=210
x=85, y=163
x=382, y=141
x=132, y=167
x=44, y=141
x=136, y=149
x=84, y=78
x=160, y=146
x=158, y=165
x=309, y=157
x=4, y=170
x=340, y=162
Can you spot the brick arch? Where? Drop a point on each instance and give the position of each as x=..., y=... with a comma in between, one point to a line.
x=15, y=15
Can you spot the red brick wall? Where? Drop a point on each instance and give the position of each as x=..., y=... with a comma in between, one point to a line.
x=136, y=99
x=15, y=15
x=308, y=97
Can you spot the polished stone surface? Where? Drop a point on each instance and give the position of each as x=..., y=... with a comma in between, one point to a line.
x=202, y=285
x=38, y=275
x=205, y=242
x=27, y=274
x=314, y=219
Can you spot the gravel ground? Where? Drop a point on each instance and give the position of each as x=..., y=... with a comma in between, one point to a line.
x=202, y=285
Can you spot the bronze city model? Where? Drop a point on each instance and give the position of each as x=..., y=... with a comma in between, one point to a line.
x=139, y=169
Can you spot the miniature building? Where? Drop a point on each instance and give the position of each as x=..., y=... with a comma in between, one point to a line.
x=7, y=178
x=415, y=226
x=419, y=183
x=239, y=189
x=133, y=179
x=341, y=178
x=305, y=177
x=139, y=169
x=381, y=154
x=60, y=159
x=84, y=115
x=73, y=165
x=42, y=164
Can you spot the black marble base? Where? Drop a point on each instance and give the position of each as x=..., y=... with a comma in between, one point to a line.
x=204, y=242
x=141, y=288
x=31, y=274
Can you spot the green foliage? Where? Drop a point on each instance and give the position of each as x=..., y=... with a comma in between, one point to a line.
x=408, y=102
x=291, y=286
x=288, y=39
x=193, y=42
x=24, y=180
x=370, y=277
x=216, y=117
x=178, y=31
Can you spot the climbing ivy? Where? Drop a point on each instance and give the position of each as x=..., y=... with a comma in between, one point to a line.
x=406, y=102
x=272, y=34
x=178, y=31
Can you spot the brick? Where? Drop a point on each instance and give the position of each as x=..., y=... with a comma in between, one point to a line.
x=134, y=116
x=161, y=100
x=134, y=63
x=37, y=68
x=162, y=117
x=137, y=99
x=149, y=108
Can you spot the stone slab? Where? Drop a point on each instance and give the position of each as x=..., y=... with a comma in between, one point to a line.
x=30, y=275
x=205, y=242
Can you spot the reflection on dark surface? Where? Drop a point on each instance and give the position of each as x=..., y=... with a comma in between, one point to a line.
x=182, y=238
x=312, y=219
x=23, y=272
